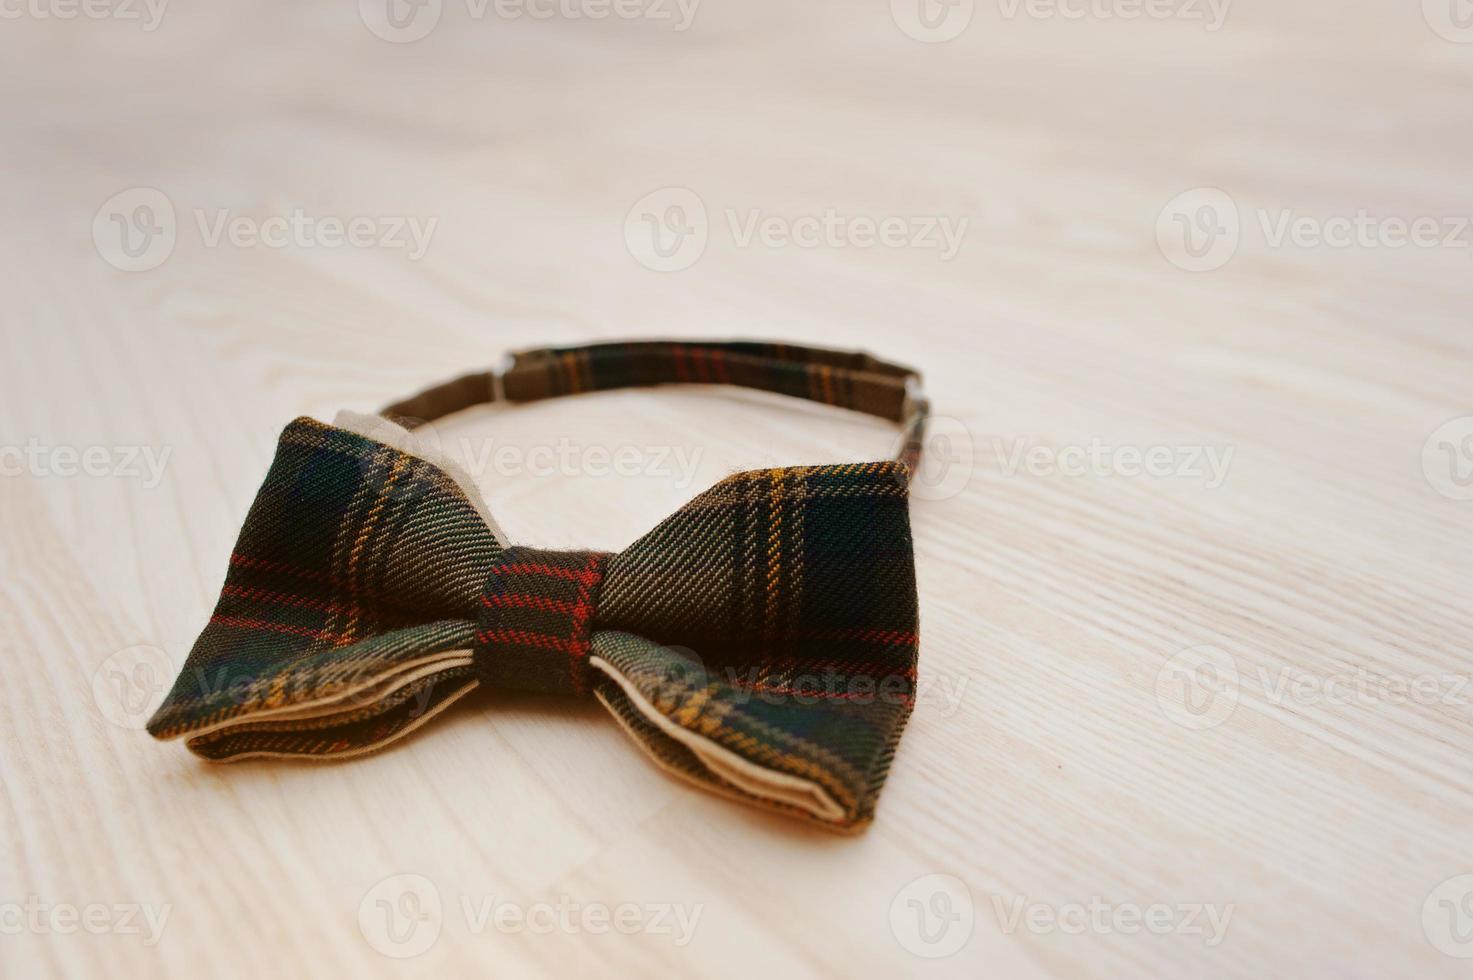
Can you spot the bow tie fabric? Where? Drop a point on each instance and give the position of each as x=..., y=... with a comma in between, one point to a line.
x=761, y=641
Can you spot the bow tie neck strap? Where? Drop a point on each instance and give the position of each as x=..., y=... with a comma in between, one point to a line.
x=848, y=379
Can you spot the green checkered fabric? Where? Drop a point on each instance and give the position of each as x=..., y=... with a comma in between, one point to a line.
x=761, y=641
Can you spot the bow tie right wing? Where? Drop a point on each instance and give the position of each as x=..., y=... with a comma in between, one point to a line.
x=762, y=640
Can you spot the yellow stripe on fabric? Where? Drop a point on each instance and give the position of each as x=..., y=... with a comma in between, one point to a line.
x=755, y=748
x=356, y=554
x=774, y=552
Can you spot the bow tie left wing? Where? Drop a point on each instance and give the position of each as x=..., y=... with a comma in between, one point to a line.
x=342, y=624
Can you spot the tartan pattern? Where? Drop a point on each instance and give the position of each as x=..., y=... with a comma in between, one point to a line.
x=772, y=620
x=839, y=735
x=847, y=379
x=536, y=620
x=354, y=559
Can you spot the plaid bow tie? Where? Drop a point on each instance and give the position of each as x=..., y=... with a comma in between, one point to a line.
x=761, y=641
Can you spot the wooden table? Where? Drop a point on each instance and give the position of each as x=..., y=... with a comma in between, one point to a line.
x=1191, y=293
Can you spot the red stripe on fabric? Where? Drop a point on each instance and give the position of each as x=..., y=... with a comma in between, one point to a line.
x=718, y=361
x=530, y=568
x=526, y=639
x=592, y=576
x=529, y=602
x=241, y=622
x=283, y=599
x=261, y=564
x=703, y=364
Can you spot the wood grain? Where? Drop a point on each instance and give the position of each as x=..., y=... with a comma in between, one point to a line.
x=1059, y=761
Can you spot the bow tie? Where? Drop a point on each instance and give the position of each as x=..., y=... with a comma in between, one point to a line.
x=761, y=641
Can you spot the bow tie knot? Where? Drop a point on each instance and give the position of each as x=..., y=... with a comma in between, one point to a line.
x=536, y=620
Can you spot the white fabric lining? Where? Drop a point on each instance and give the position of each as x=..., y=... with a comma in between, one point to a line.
x=329, y=704
x=742, y=773
x=421, y=443
x=358, y=749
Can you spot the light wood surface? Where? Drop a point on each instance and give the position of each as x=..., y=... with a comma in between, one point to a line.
x=1278, y=780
